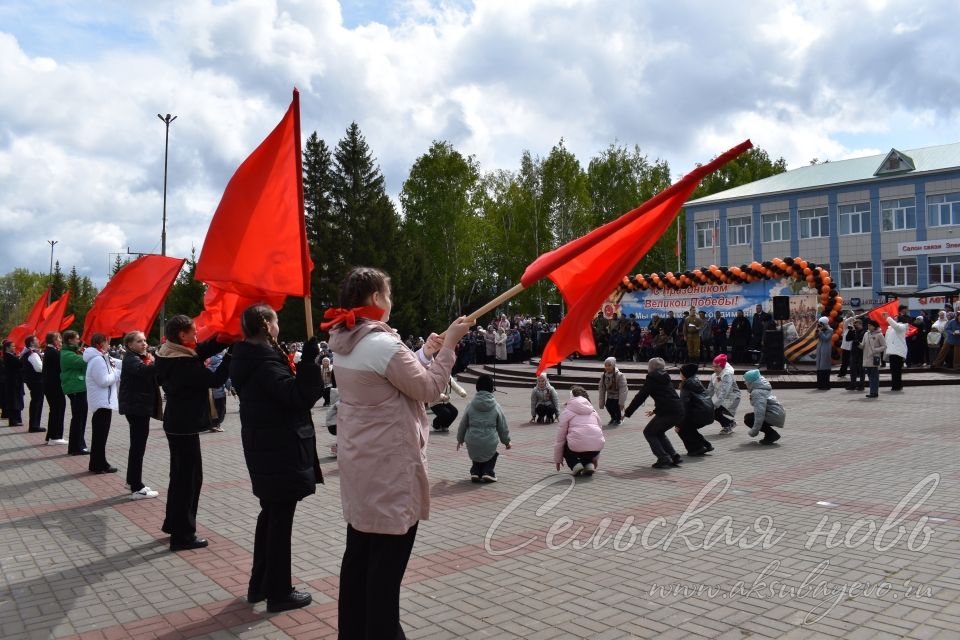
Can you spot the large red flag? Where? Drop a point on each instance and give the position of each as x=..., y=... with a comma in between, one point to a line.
x=53, y=316
x=19, y=333
x=587, y=269
x=892, y=309
x=132, y=297
x=256, y=247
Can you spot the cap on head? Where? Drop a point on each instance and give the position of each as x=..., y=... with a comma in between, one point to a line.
x=752, y=376
x=824, y=320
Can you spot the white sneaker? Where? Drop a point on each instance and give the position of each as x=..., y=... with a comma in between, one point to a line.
x=577, y=469
x=56, y=441
x=589, y=468
x=146, y=492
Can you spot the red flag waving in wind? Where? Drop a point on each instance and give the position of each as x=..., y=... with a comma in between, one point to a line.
x=19, y=333
x=587, y=269
x=132, y=297
x=54, y=316
x=892, y=309
x=256, y=246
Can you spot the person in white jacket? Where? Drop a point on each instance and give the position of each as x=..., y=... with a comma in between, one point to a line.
x=896, y=337
x=724, y=393
x=103, y=382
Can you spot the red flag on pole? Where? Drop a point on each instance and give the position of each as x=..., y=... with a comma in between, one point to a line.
x=256, y=246
x=132, y=297
x=892, y=309
x=53, y=316
x=589, y=268
x=19, y=333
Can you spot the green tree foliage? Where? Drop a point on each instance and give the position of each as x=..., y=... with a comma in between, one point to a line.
x=19, y=290
x=118, y=264
x=58, y=283
x=186, y=294
x=753, y=165
x=81, y=298
x=322, y=226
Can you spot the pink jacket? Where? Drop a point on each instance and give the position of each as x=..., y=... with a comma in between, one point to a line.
x=382, y=426
x=579, y=428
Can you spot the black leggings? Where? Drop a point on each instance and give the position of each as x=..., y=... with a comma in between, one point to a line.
x=656, y=434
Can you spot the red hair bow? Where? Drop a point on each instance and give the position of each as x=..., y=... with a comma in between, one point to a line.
x=349, y=317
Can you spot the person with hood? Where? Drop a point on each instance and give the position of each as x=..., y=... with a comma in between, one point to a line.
x=767, y=411
x=896, y=352
x=544, y=401
x=483, y=425
x=102, y=380
x=445, y=413
x=579, y=435
x=279, y=447
x=824, y=353
x=186, y=383
x=139, y=400
x=936, y=344
x=698, y=411
x=382, y=435
x=613, y=391
x=667, y=413
x=52, y=390
x=724, y=394
x=73, y=381
x=873, y=345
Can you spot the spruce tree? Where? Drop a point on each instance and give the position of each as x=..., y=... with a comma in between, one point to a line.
x=58, y=284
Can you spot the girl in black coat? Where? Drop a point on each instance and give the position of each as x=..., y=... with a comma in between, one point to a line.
x=697, y=412
x=279, y=445
x=139, y=399
x=667, y=413
x=187, y=383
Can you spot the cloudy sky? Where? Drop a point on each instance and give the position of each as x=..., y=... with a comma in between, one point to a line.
x=82, y=81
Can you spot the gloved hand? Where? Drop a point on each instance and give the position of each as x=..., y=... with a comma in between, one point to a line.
x=311, y=350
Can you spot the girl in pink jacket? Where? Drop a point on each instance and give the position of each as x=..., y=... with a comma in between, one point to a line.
x=579, y=436
x=382, y=432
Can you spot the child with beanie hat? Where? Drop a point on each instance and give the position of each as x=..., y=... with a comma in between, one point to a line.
x=697, y=411
x=767, y=410
x=483, y=425
x=724, y=393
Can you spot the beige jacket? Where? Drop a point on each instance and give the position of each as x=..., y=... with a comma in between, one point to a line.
x=382, y=427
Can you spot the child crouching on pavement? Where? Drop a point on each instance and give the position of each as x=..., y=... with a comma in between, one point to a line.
x=482, y=426
x=579, y=435
x=767, y=410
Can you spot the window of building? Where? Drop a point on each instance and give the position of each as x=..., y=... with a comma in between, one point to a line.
x=738, y=231
x=856, y=275
x=943, y=210
x=814, y=223
x=706, y=234
x=897, y=215
x=901, y=272
x=944, y=269
x=854, y=218
x=776, y=227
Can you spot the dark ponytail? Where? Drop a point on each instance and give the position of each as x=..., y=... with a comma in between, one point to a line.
x=360, y=284
x=254, y=323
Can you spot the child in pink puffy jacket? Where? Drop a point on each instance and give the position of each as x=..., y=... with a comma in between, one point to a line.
x=579, y=436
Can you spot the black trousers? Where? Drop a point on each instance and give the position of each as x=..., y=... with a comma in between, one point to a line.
x=370, y=574
x=487, y=468
x=57, y=403
x=183, y=494
x=78, y=422
x=325, y=394
x=220, y=404
x=656, y=434
x=573, y=458
x=844, y=362
x=769, y=433
x=613, y=407
x=721, y=415
x=691, y=437
x=271, y=575
x=896, y=373
x=823, y=379
x=546, y=412
x=13, y=403
x=36, y=405
x=139, y=431
x=98, y=447
x=444, y=415
x=857, y=372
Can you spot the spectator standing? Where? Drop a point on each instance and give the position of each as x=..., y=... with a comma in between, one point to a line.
x=56, y=401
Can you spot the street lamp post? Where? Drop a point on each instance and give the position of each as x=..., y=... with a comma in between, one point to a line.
x=163, y=231
x=51, y=243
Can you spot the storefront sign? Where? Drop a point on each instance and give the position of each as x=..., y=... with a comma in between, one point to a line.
x=928, y=247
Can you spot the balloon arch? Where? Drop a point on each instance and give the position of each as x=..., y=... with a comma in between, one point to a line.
x=817, y=278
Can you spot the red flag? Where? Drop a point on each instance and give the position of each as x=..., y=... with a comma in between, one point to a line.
x=19, y=333
x=67, y=321
x=893, y=310
x=589, y=268
x=132, y=297
x=222, y=309
x=53, y=316
x=257, y=244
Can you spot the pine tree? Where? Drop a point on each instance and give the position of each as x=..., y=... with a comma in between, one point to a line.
x=118, y=264
x=58, y=284
x=322, y=228
x=81, y=298
x=186, y=294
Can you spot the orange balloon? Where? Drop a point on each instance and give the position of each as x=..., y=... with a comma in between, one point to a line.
x=839, y=301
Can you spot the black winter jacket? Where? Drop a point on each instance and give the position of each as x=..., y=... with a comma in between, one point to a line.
x=659, y=387
x=51, y=370
x=697, y=405
x=139, y=393
x=276, y=427
x=187, y=383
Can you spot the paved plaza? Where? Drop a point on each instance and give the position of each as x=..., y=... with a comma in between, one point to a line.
x=803, y=539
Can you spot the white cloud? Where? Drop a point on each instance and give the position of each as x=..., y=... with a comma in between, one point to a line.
x=81, y=150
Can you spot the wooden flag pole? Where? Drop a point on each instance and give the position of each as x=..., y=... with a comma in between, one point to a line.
x=496, y=302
